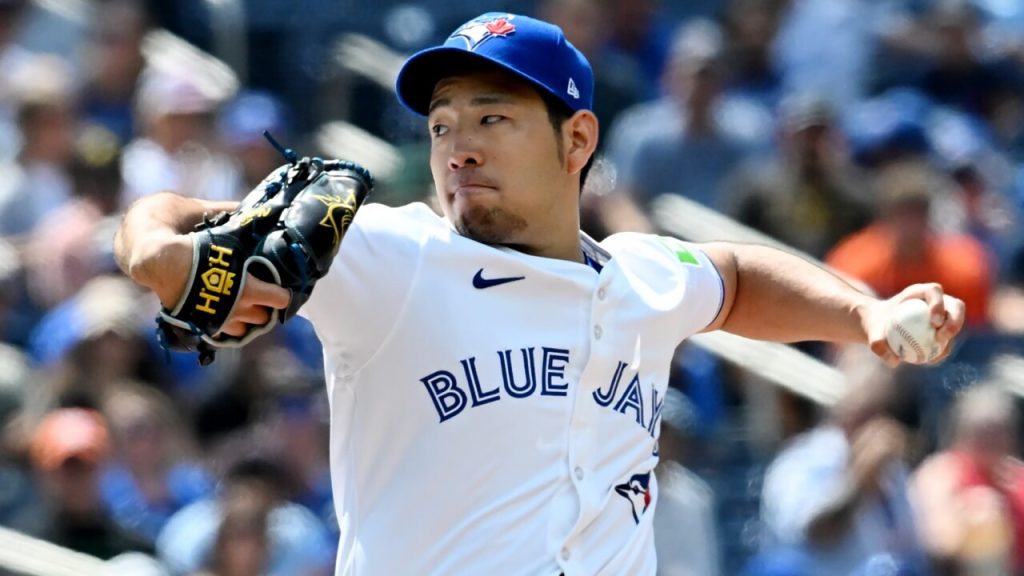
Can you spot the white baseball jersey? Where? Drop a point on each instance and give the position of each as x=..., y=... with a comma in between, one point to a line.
x=494, y=412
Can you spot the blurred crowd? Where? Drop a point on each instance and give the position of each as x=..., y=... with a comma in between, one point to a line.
x=883, y=137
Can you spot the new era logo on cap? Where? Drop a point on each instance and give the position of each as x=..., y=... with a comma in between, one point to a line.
x=531, y=49
x=572, y=90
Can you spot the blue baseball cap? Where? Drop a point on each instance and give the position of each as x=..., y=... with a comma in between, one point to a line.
x=532, y=49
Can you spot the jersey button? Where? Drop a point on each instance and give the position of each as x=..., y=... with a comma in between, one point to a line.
x=601, y=293
x=578, y=472
x=565, y=553
x=598, y=332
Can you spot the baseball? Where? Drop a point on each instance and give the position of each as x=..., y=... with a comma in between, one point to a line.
x=911, y=335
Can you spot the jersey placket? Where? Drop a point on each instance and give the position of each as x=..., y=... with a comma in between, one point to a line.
x=584, y=442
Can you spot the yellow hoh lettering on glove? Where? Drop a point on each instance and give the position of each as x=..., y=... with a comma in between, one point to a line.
x=216, y=281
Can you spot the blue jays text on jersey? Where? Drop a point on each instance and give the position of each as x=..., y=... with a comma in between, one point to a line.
x=521, y=375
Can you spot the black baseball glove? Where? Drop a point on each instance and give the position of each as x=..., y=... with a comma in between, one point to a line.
x=286, y=231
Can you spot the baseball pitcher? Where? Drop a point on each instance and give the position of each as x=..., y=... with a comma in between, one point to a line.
x=495, y=376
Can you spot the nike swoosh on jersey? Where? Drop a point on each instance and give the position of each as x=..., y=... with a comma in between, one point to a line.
x=479, y=282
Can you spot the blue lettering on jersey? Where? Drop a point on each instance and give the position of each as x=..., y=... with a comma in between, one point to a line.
x=655, y=413
x=448, y=398
x=605, y=398
x=553, y=363
x=518, y=370
x=529, y=384
x=631, y=398
x=479, y=396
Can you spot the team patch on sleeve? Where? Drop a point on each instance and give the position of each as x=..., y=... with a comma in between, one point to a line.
x=680, y=249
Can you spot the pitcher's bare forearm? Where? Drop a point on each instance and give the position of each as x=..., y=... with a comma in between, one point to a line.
x=774, y=295
x=151, y=246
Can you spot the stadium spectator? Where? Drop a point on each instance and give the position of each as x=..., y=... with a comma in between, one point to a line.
x=68, y=449
x=177, y=149
x=837, y=495
x=298, y=544
x=90, y=343
x=280, y=416
x=44, y=112
x=959, y=74
x=67, y=247
x=684, y=147
x=681, y=144
x=750, y=28
x=153, y=472
x=242, y=545
x=902, y=246
x=114, y=63
x=971, y=495
x=807, y=194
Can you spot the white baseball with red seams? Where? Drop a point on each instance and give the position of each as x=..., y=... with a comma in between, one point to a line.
x=911, y=335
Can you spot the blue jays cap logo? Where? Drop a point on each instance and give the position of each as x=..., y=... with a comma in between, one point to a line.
x=476, y=32
x=534, y=50
x=638, y=492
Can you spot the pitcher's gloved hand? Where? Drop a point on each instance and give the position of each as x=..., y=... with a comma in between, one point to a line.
x=286, y=231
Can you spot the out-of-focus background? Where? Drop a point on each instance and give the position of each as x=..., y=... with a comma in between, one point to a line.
x=882, y=137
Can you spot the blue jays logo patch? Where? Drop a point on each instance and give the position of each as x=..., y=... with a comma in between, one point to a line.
x=637, y=491
x=482, y=29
